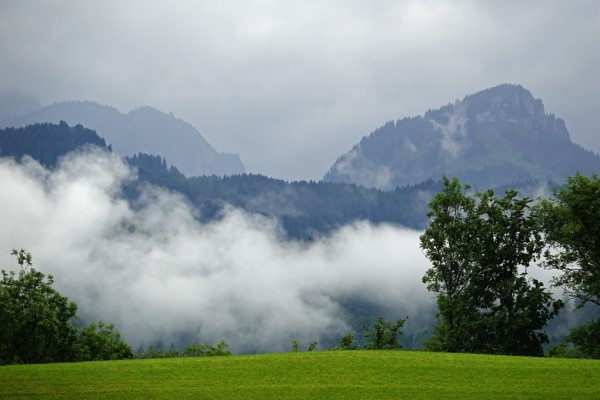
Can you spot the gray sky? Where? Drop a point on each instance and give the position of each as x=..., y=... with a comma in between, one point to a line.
x=291, y=85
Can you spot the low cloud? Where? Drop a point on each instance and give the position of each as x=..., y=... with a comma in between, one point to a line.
x=160, y=275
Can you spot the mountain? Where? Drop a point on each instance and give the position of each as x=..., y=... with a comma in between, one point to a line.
x=496, y=137
x=305, y=209
x=144, y=129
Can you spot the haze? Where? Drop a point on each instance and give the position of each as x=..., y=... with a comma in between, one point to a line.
x=162, y=276
x=290, y=86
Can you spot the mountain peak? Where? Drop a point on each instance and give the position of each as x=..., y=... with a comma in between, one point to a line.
x=505, y=102
x=497, y=136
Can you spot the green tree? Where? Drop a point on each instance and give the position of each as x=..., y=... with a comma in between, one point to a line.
x=571, y=224
x=447, y=243
x=383, y=335
x=100, y=341
x=480, y=247
x=586, y=339
x=36, y=322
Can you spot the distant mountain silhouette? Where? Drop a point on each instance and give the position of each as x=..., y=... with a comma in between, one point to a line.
x=144, y=129
x=496, y=137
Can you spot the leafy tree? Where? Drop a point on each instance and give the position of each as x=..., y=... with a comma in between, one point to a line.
x=480, y=247
x=383, y=335
x=586, y=339
x=36, y=322
x=571, y=224
x=100, y=341
x=447, y=244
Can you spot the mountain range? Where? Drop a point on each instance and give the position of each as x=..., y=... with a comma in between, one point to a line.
x=144, y=129
x=499, y=136
x=304, y=209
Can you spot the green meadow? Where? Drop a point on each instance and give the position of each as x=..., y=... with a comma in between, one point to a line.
x=318, y=375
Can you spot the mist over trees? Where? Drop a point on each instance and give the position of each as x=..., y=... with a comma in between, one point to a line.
x=480, y=245
x=305, y=209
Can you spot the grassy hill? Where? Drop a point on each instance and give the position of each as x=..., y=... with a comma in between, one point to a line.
x=320, y=375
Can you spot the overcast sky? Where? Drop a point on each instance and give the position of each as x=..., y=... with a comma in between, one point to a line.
x=291, y=85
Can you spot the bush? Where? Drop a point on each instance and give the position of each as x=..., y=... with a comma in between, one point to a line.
x=101, y=342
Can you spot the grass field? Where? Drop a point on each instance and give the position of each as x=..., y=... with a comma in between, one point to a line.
x=319, y=375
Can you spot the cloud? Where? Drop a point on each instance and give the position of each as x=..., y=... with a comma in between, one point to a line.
x=453, y=132
x=357, y=169
x=291, y=86
x=159, y=274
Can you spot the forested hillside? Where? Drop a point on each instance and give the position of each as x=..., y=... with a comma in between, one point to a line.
x=305, y=209
x=46, y=143
x=499, y=136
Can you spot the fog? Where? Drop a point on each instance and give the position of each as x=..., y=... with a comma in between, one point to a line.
x=160, y=275
x=290, y=86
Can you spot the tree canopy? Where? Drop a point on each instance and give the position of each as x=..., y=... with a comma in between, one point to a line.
x=571, y=225
x=36, y=321
x=38, y=324
x=480, y=247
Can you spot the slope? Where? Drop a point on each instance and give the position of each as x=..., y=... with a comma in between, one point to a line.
x=496, y=137
x=318, y=375
x=142, y=130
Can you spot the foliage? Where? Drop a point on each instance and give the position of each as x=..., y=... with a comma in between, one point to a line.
x=383, y=335
x=571, y=224
x=582, y=342
x=100, y=341
x=586, y=339
x=316, y=375
x=154, y=352
x=446, y=243
x=192, y=350
x=346, y=343
x=480, y=247
x=36, y=321
x=563, y=350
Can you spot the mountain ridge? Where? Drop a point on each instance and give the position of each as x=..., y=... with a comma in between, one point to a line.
x=490, y=138
x=143, y=129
